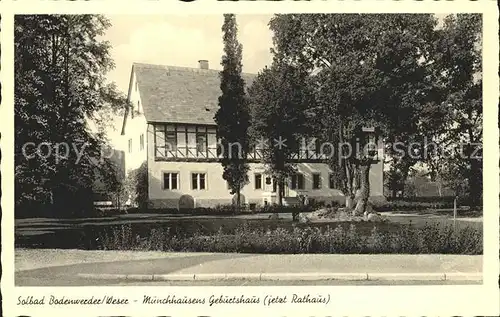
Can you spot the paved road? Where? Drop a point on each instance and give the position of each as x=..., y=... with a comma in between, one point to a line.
x=68, y=274
x=191, y=263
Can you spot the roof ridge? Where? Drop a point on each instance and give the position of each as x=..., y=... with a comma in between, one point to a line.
x=184, y=68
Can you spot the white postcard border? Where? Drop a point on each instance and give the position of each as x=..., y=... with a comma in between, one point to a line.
x=345, y=300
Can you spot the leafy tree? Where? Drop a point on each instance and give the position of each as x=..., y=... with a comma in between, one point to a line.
x=233, y=116
x=60, y=67
x=280, y=98
x=369, y=71
x=459, y=66
x=395, y=180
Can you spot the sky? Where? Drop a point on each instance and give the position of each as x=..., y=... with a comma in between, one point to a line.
x=182, y=40
x=178, y=40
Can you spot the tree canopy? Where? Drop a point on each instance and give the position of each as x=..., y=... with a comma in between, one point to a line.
x=280, y=96
x=399, y=73
x=60, y=84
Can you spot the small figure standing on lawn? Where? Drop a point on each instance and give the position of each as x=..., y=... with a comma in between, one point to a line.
x=306, y=200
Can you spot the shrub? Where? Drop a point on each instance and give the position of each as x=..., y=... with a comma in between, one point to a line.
x=285, y=209
x=409, y=240
x=424, y=199
x=402, y=205
x=420, y=203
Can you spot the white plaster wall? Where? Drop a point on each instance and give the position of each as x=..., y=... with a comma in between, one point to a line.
x=216, y=186
x=135, y=126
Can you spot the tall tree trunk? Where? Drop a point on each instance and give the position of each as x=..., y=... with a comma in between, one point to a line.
x=475, y=183
x=238, y=200
x=405, y=171
x=439, y=185
x=346, y=168
x=364, y=171
x=475, y=176
x=280, y=192
x=351, y=185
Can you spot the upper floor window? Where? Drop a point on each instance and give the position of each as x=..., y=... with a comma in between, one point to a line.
x=180, y=141
x=317, y=146
x=171, y=141
x=165, y=141
x=138, y=106
x=141, y=142
x=130, y=145
x=201, y=142
x=252, y=147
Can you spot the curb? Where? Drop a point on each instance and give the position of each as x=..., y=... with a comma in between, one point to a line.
x=454, y=276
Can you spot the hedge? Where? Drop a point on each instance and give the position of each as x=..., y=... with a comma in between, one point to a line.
x=408, y=240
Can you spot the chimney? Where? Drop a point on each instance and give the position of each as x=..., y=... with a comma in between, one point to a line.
x=203, y=64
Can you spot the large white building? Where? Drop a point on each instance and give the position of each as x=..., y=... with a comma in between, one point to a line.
x=171, y=127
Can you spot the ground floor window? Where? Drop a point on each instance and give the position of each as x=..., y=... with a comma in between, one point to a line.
x=198, y=181
x=297, y=181
x=258, y=181
x=333, y=181
x=170, y=180
x=316, y=180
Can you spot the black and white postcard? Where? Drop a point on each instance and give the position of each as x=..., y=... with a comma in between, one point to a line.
x=226, y=157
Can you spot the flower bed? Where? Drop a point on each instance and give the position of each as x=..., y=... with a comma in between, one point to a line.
x=304, y=239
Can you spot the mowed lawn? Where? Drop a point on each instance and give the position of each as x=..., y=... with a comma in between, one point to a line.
x=84, y=233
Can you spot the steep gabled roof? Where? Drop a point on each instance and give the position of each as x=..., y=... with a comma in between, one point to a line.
x=179, y=94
